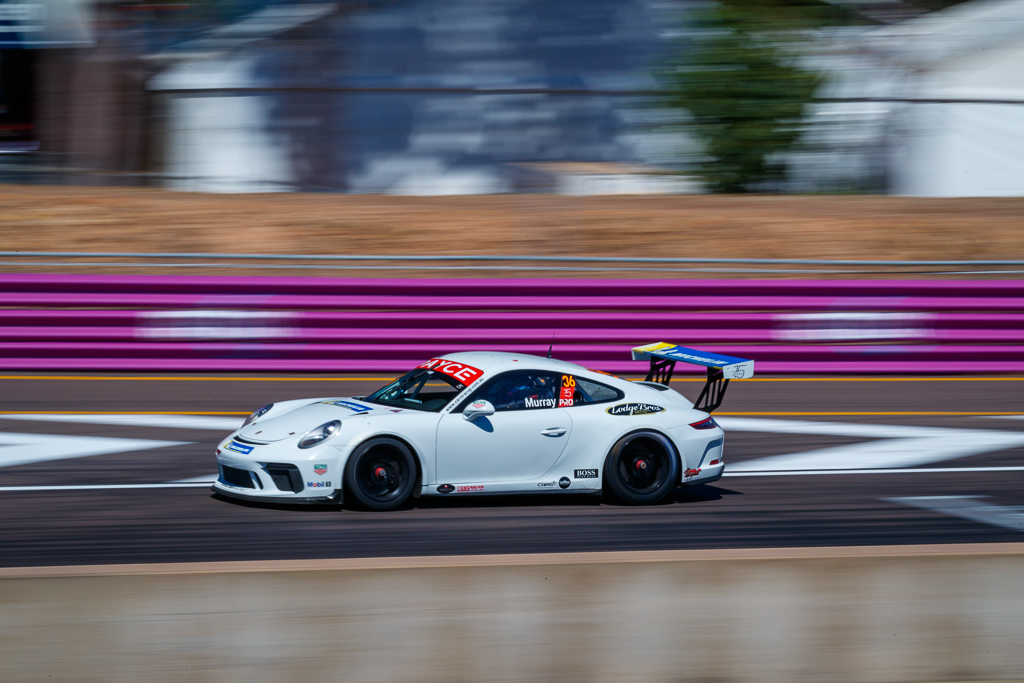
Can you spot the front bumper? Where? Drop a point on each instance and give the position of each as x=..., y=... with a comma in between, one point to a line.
x=335, y=498
x=278, y=473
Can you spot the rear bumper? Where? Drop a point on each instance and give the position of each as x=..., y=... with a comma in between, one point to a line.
x=705, y=480
x=705, y=475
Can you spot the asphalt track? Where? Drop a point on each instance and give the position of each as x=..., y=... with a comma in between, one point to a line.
x=960, y=485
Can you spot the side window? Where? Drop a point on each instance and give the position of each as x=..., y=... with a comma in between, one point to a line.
x=520, y=390
x=588, y=391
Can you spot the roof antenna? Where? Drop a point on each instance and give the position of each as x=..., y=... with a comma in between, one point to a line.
x=551, y=345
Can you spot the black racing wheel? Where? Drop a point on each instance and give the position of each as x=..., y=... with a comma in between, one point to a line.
x=642, y=468
x=380, y=474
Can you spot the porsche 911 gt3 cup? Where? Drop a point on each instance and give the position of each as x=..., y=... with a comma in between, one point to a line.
x=488, y=423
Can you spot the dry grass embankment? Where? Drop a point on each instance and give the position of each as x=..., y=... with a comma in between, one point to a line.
x=34, y=218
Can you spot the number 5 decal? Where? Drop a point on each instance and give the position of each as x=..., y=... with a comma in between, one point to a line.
x=568, y=386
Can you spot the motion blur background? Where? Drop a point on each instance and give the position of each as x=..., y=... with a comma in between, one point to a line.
x=432, y=97
x=115, y=116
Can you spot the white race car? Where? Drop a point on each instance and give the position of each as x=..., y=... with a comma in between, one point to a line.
x=486, y=423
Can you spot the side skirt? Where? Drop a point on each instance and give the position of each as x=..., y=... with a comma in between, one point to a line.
x=509, y=488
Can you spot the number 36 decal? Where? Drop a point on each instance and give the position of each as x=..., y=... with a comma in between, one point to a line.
x=568, y=388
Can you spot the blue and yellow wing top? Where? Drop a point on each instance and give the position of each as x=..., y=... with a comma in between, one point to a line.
x=731, y=367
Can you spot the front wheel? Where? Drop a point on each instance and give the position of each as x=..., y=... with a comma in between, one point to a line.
x=642, y=468
x=380, y=474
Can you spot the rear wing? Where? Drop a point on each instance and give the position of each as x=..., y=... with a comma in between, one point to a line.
x=721, y=369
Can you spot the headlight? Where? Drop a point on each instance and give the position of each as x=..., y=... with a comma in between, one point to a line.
x=320, y=434
x=258, y=414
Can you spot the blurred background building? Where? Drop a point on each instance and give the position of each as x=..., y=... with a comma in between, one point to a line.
x=931, y=105
x=493, y=96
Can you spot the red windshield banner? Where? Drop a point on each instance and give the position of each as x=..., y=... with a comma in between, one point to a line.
x=466, y=374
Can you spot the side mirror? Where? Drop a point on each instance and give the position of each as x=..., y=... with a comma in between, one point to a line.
x=477, y=409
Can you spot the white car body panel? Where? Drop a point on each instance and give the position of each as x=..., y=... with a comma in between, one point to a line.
x=473, y=451
x=516, y=456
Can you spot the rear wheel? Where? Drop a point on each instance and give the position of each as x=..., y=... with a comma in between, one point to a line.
x=642, y=468
x=380, y=474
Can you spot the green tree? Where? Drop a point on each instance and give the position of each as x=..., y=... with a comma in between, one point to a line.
x=737, y=74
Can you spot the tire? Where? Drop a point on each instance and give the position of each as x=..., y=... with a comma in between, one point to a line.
x=642, y=468
x=380, y=474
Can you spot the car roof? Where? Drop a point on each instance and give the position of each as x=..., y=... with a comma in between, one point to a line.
x=496, y=361
x=493, y=362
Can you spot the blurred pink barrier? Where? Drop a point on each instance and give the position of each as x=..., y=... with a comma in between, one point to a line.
x=268, y=324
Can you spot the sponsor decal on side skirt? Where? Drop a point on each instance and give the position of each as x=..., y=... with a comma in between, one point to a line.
x=471, y=488
x=564, y=483
x=585, y=474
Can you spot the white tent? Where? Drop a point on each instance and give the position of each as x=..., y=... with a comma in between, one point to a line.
x=956, y=126
x=216, y=140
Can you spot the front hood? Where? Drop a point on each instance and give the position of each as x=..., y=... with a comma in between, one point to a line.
x=304, y=418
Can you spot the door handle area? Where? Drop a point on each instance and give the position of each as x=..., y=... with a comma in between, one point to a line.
x=554, y=431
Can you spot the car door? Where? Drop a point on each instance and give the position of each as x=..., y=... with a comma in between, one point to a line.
x=519, y=442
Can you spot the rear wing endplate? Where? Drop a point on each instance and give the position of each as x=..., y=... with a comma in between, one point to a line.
x=721, y=369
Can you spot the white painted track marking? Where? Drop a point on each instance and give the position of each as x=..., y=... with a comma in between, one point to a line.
x=967, y=507
x=224, y=424
x=207, y=478
x=901, y=446
x=22, y=449
x=888, y=470
x=101, y=487
x=1003, y=417
x=868, y=431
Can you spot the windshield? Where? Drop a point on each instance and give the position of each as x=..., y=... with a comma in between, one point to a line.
x=419, y=389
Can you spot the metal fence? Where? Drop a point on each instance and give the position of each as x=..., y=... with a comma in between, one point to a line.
x=512, y=263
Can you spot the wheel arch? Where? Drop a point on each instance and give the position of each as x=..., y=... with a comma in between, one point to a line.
x=676, y=450
x=418, y=457
x=611, y=484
